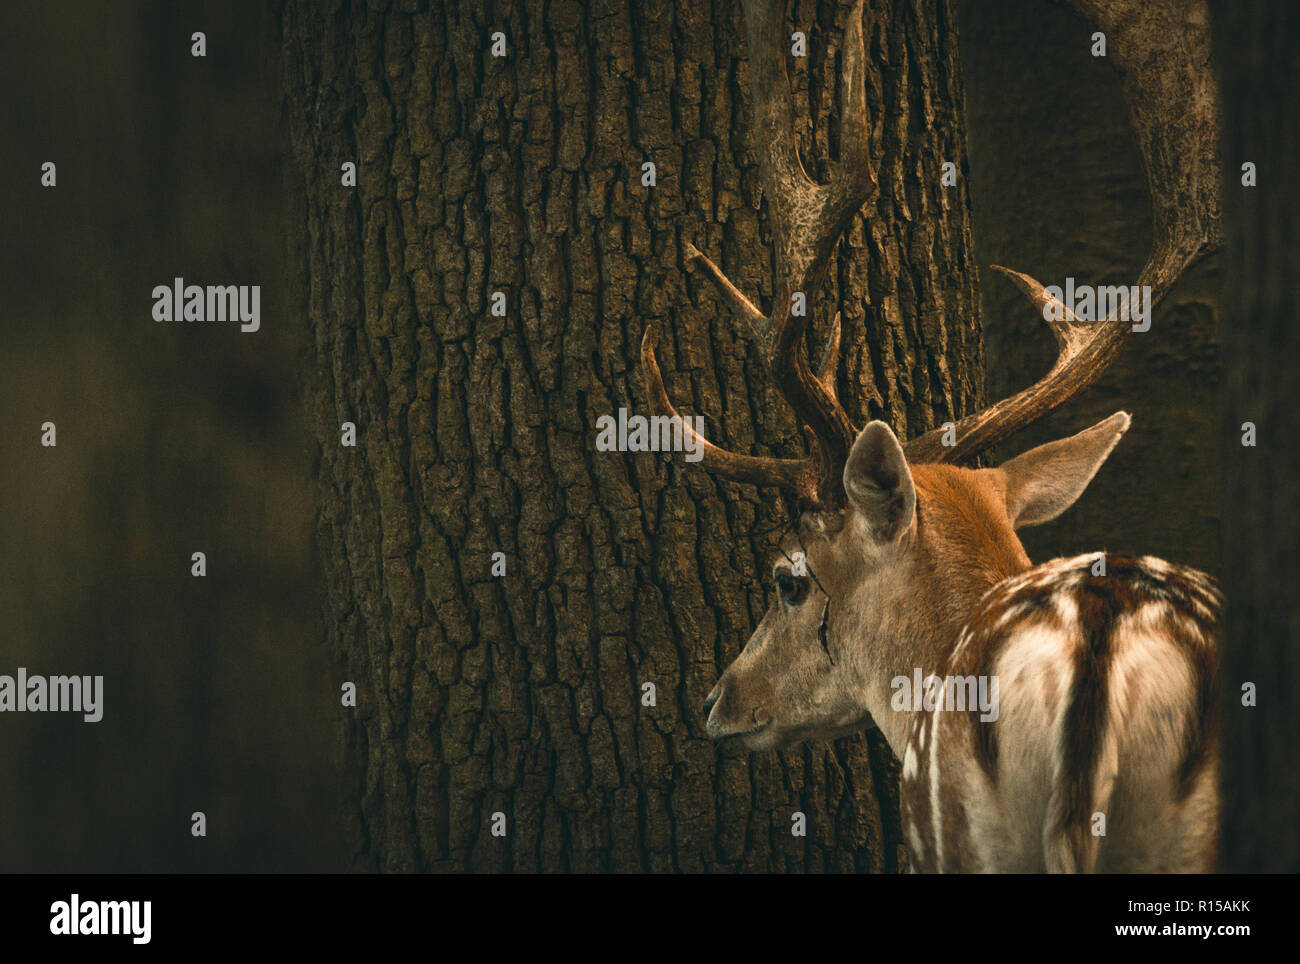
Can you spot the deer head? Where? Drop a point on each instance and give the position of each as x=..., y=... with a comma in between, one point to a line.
x=869, y=592
x=894, y=542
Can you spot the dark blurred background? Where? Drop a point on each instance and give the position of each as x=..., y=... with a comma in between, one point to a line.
x=1058, y=190
x=174, y=438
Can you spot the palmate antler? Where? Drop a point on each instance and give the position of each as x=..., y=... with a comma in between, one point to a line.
x=808, y=219
x=1162, y=49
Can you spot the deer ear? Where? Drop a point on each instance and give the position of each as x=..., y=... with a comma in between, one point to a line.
x=879, y=483
x=1045, y=481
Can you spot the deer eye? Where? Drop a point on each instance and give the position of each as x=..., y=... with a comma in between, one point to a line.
x=792, y=589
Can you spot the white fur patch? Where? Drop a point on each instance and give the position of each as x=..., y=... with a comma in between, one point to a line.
x=1151, y=686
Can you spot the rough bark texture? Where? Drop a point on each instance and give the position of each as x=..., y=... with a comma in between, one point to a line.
x=1255, y=44
x=476, y=433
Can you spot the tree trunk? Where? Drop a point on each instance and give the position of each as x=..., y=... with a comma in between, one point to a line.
x=523, y=174
x=1261, y=782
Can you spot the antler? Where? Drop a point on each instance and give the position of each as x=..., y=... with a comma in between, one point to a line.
x=808, y=219
x=1162, y=49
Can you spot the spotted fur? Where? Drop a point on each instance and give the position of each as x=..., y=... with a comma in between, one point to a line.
x=1106, y=703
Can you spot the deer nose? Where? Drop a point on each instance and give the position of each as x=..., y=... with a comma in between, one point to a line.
x=711, y=699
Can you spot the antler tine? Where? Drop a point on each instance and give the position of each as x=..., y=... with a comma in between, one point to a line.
x=1162, y=49
x=830, y=359
x=795, y=476
x=758, y=322
x=1071, y=333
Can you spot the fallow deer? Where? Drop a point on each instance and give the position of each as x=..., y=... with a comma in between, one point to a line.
x=911, y=565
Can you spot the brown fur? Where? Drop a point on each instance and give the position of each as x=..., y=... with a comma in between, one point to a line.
x=961, y=521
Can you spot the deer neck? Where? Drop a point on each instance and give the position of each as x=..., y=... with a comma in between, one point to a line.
x=957, y=554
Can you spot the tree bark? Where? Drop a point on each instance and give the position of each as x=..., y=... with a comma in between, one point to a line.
x=1261, y=782
x=522, y=694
